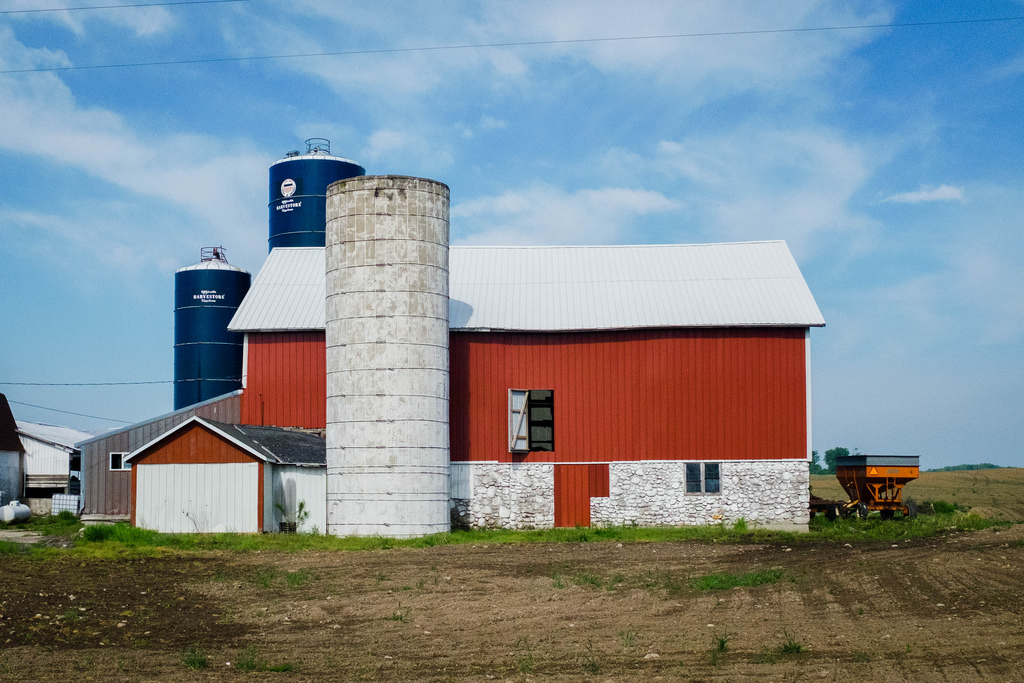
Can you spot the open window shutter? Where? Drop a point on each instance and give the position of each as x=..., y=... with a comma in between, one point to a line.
x=517, y=420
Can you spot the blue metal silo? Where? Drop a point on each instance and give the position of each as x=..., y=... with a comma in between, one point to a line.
x=207, y=358
x=298, y=194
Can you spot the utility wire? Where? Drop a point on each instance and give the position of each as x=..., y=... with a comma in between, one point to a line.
x=530, y=43
x=68, y=412
x=119, y=384
x=93, y=7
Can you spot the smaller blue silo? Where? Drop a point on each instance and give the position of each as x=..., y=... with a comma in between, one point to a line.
x=298, y=194
x=207, y=358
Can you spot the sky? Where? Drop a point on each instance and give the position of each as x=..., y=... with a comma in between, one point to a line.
x=890, y=158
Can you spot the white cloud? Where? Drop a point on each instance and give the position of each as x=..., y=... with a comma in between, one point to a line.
x=544, y=214
x=218, y=182
x=760, y=183
x=142, y=21
x=942, y=193
x=387, y=145
x=699, y=68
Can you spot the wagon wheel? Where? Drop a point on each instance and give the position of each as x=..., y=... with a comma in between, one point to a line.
x=862, y=510
x=832, y=512
x=911, y=509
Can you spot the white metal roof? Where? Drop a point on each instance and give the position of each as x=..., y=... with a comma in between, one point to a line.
x=551, y=289
x=619, y=287
x=289, y=293
x=65, y=437
x=211, y=264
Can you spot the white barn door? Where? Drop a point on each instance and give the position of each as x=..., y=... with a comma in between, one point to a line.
x=207, y=498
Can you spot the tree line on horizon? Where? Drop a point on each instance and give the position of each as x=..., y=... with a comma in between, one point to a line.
x=829, y=466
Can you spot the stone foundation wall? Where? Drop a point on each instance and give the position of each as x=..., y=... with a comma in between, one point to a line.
x=507, y=496
x=764, y=493
x=521, y=496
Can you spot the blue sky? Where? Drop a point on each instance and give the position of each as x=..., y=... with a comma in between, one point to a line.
x=890, y=160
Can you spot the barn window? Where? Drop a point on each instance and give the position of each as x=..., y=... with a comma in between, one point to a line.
x=117, y=462
x=531, y=420
x=703, y=477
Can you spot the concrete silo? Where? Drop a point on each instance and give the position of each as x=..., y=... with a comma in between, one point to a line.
x=298, y=188
x=387, y=356
x=207, y=358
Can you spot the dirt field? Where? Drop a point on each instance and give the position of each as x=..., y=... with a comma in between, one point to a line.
x=948, y=608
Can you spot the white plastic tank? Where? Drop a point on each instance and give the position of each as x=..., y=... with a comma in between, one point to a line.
x=14, y=512
x=387, y=357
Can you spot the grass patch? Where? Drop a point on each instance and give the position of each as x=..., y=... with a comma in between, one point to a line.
x=722, y=581
x=401, y=614
x=194, y=658
x=12, y=548
x=251, y=660
x=628, y=638
x=121, y=540
x=588, y=659
x=790, y=646
x=522, y=652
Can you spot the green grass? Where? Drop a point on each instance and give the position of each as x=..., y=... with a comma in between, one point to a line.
x=63, y=524
x=110, y=541
x=719, y=581
x=790, y=646
x=251, y=660
x=194, y=658
x=12, y=548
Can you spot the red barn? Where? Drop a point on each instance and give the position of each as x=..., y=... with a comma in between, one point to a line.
x=661, y=384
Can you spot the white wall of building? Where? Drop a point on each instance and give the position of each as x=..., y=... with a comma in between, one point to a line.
x=207, y=498
x=292, y=485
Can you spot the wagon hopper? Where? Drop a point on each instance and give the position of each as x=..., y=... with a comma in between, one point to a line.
x=875, y=482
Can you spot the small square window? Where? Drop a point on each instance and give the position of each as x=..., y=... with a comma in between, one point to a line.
x=531, y=420
x=703, y=477
x=118, y=462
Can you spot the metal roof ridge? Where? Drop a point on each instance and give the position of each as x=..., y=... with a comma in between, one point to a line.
x=611, y=246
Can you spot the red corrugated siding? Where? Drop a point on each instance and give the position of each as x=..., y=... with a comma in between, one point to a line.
x=727, y=394
x=575, y=485
x=287, y=380
x=193, y=445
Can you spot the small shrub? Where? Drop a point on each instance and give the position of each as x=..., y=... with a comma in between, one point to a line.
x=194, y=658
x=941, y=507
x=790, y=646
x=740, y=526
x=720, y=643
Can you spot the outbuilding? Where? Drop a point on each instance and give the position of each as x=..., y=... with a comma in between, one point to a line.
x=205, y=476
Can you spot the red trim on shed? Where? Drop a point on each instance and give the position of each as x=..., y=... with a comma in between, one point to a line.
x=286, y=382
x=685, y=394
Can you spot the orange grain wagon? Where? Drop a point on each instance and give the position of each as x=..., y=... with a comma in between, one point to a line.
x=875, y=482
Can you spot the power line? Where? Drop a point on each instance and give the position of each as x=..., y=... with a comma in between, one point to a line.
x=530, y=43
x=93, y=7
x=119, y=384
x=68, y=412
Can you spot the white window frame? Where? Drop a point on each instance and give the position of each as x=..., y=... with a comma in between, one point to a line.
x=518, y=421
x=703, y=479
x=125, y=466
